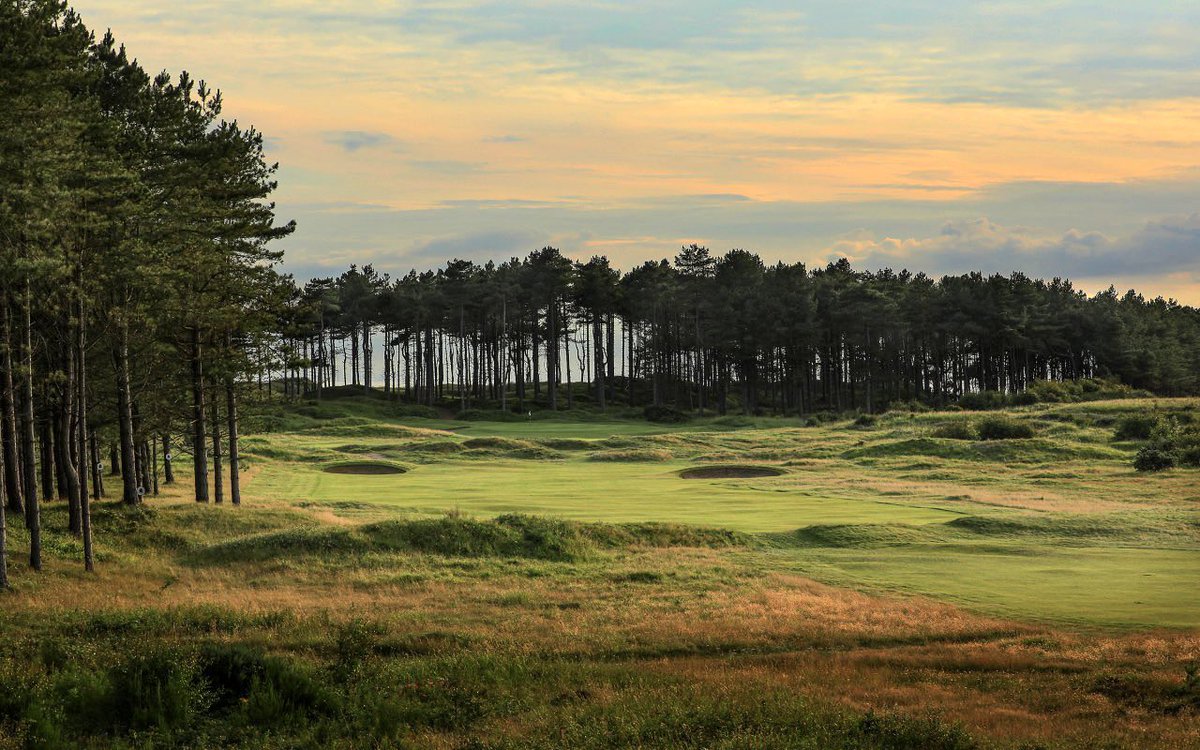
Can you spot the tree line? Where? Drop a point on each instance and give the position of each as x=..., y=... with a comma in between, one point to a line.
x=716, y=333
x=136, y=273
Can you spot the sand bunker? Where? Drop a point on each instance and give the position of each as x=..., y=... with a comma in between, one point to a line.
x=365, y=469
x=731, y=472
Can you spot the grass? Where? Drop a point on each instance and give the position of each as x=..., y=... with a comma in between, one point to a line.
x=1102, y=520
x=556, y=582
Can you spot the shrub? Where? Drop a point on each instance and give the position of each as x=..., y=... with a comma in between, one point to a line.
x=665, y=415
x=1073, y=391
x=1051, y=392
x=1003, y=428
x=983, y=400
x=866, y=420
x=957, y=430
x=150, y=690
x=1153, y=458
x=1171, y=444
x=913, y=732
x=912, y=406
x=489, y=415
x=266, y=688
x=1136, y=427
x=230, y=672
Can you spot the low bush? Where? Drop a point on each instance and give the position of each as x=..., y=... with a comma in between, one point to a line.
x=957, y=430
x=1051, y=392
x=665, y=415
x=1136, y=427
x=912, y=406
x=983, y=400
x=490, y=415
x=866, y=421
x=1003, y=428
x=1153, y=458
x=1172, y=443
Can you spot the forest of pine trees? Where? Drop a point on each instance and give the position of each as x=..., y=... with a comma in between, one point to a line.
x=135, y=273
x=714, y=334
x=140, y=305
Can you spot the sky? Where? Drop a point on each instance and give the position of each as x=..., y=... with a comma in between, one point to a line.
x=1054, y=137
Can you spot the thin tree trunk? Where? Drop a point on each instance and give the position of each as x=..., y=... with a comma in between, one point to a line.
x=3, y=531
x=502, y=355
x=8, y=413
x=199, y=459
x=552, y=356
x=66, y=448
x=599, y=354
x=235, y=487
x=129, y=481
x=146, y=471
x=60, y=440
x=33, y=505
x=85, y=506
x=47, y=460
x=168, y=470
x=97, y=475
x=218, y=488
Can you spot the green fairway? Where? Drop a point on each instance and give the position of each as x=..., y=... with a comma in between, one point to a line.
x=1057, y=527
x=595, y=491
x=1118, y=587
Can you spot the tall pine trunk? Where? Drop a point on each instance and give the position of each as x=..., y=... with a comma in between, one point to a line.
x=218, y=482
x=3, y=531
x=85, y=506
x=235, y=489
x=199, y=459
x=129, y=487
x=8, y=412
x=97, y=475
x=552, y=355
x=29, y=433
x=168, y=469
x=69, y=487
x=599, y=353
x=46, y=462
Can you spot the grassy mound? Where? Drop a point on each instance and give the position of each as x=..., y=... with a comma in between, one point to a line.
x=865, y=536
x=511, y=536
x=284, y=544
x=663, y=535
x=632, y=454
x=365, y=468
x=1031, y=450
x=731, y=472
x=502, y=447
x=1082, y=529
x=567, y=444
x=507, y=536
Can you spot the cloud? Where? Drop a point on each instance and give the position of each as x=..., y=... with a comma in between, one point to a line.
x=447, y=166
x=504, y=139
x=355, y=140
x=478, y=246
x=1162, y=247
